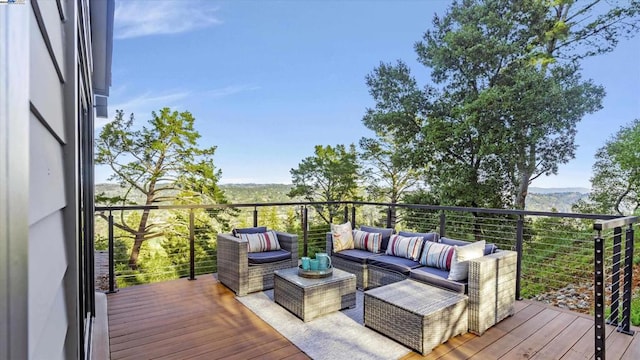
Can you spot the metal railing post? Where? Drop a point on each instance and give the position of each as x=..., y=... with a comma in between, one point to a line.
x=388, y=217
x=443, y=223
x=112, y=280
x=192, y=247
x=353, y=216
x=628, y=282
x=346, y=212
x=615, y=281
x=255, y=217
x=598, y=282
x=305, y=231
x=519, y=240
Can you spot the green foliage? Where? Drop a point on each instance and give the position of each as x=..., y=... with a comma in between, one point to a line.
x=507, y=102
x=388, y=173
x=163, y=162
x=330, y=175
x=616, y=174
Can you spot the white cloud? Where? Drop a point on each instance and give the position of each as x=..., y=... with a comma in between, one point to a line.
x=144, y=18
x=231, y=90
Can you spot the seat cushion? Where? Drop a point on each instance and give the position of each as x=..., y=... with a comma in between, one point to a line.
x=489, y=248
x=266, y=257
x=385, y=232
x=426, y=236
x=355, y=255
x=439, y=278
x=393, y=263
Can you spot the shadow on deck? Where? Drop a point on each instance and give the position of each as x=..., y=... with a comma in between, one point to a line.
x=201, y=319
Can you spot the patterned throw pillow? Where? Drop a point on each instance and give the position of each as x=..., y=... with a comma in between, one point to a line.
x=437, y=255
x=261, y=242
x=461, y=257
x=342, y=236
x=367, y=241
x=406, y=247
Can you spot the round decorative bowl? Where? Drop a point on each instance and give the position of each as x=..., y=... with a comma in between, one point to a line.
x=315, y=274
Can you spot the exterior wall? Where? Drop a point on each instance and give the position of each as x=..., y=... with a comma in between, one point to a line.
x=49, y=148
x=14, y=181
x=46, y=124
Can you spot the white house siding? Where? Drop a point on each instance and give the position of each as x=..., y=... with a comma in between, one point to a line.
x=46, y=185
x=47, y=267
x=41, y=315
x=51, y=147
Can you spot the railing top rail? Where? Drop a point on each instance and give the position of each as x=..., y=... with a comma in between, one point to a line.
x=399, y=205
x=495, y=211
x=614, y=223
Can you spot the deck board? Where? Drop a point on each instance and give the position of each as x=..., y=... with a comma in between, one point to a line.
x=202, y=319
x=183, y=319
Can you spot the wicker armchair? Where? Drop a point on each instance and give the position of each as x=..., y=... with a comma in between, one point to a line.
x=235, y=271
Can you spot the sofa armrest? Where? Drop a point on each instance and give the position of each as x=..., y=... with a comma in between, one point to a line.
x=232, y=262
x=289, y=242
x=329, y=243
x=491, y=289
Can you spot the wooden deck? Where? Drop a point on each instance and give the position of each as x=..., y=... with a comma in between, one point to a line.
x=184, y=319
x=201, y=319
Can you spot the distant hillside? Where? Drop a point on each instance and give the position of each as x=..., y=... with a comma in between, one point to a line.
x=538, y=190
x=257, y=193
x=539, y=199
x=561, y=202
x=236, y=193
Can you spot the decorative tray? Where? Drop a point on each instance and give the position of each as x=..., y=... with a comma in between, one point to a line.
x=315, y=274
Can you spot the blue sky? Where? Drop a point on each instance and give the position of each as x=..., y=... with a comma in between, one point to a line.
x=269, y=80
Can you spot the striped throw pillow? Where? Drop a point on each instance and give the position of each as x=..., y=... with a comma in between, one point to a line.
x=367, y=241
x=406, y=247
x=261, y=242
x=437, y=255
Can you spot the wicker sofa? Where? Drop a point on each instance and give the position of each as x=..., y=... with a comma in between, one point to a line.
x=245, y=272
x=490, y=285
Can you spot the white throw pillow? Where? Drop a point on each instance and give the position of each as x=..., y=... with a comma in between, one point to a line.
x=342, y=236
x=461, y=256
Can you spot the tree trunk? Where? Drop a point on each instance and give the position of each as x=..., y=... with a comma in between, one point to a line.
x=523, y=189
x=139, y=239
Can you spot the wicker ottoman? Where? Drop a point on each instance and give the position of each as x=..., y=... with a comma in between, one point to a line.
x=417, y=315
x=310, y=298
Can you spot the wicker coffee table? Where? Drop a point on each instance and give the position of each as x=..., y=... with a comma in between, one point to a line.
x=417, y=315
x=309, y=298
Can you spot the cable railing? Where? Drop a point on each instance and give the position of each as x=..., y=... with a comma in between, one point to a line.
x=558, y=253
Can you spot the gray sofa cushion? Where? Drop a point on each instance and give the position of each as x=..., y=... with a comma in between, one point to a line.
x=251, y=230
x=426, y=236
x=385, y=232
x=489, y=248
x=268, y=256
x=438, y=277
x=393, y=263
x=355, y=255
